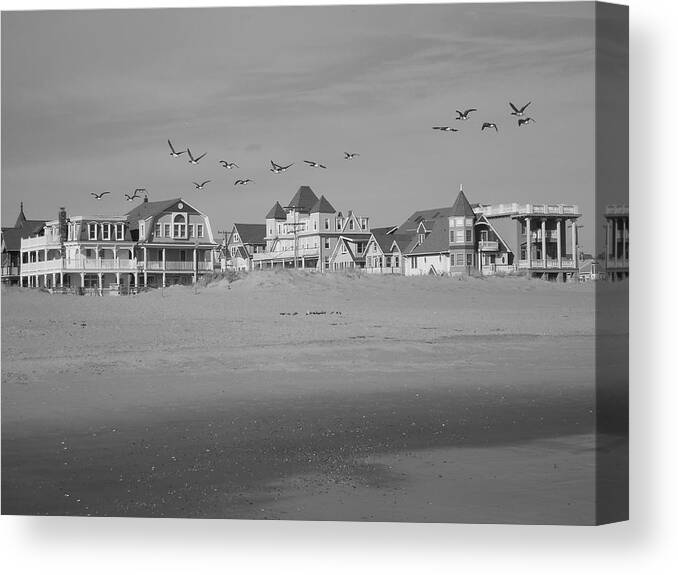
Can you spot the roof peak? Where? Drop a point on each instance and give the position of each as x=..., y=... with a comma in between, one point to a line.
x=461, y=206
x=323, y=206
x=276, y=212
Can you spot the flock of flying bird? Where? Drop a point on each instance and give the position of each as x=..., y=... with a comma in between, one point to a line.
x=464, y=115
x=279, y=168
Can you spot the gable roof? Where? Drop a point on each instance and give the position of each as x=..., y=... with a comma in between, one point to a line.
x=410, y=225
x=322, y=206
x=505, y=228
x=461, y=206
x=147, y=210
x=276, y=212
x=21, y=218
x=251, y=233
x=11, y=239
x=437, y=241
x=304, y=199
x=383, y=239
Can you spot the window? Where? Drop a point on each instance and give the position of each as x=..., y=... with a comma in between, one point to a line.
x=459, y=236
x=158, y=230
x=422, y=237
x=469, y=222
x=469, y=234
x=142, y=229
x=459, y=259
x=396, y=261
x=270, y=231
x=388, y=261
x=191, y=230
x=414, y=262
x=179, y=226
x=327, y=263
x=469, y=259
x=105, y=231
x=201, y=230
x=327, y=243
x=167, y=229
x=459, y=222
x=363, y=223
x=351, y=225
x=315, y=226
x=236, y=237
x=343, y=248
x=92, y=231
x=327, y=223
x=339, y=223
x=483, y=235
x=120, y=232
x=233, y=250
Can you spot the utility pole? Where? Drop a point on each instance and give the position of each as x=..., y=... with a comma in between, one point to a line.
x=225, y=241
x=295, y=225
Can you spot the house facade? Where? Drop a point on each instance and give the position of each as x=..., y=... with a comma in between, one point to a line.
x=537, y=239
x=244, y=241
x=155, y=244
x=617, y=241
x=11, y=245
x=306, y=233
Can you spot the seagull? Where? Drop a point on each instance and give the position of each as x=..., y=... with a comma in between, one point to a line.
x=201, y=186
x=523, y=121
x=518, y=111
x=194, y=160
x=243, y=182
x=445, y=128
x=464, y=115
x=174, y=153
x=130, y=198
x=315, y=164
x=99, y=196
x=350, y=156
x=228, y=165
x=489, y=125
x=277, y=169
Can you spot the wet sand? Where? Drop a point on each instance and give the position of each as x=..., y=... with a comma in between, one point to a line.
x=426, y=401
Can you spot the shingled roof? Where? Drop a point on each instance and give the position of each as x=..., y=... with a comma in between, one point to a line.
x=461, y=206
x=276, y=212
x=384, y=241
x=147, y=210
x=412, y=223
x=436, y=241
x=303, y=200
x=253, y=234
x=23, y=228
x=322, y=206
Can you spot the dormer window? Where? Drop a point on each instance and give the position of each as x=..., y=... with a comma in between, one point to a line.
x=105, y=231
x=179, y=226
x=340, y=223
x=158, y=230
x=422, y=237
x=351, y=225
x=92, y=231
x=142, y=230
x=363, y=223
x=120, y=232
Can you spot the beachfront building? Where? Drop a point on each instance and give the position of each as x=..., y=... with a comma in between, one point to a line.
x=617, y=241
x=244, y=241
x=537, y=239
x=308, y=233
x=11, y=245
x=155, y=244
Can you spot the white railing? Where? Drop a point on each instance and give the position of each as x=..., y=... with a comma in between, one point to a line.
x=488, y=246
x=529, y=209
x=566, y=263
x=10, y=270
x=41, y=267
x=287, y=253
x=39, y=242
x=617, y=210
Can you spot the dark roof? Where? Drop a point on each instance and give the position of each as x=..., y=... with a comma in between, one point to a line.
x=251, y=233
x=384, y=241
x=304, y=199
x=410, y=225
x=147, y=210
x=322, y=206
x=23, y=228
x=11, y=238
x=461, y=207
x=276, y=212
x=436, y=241
x=21, y=218
x=401, y=240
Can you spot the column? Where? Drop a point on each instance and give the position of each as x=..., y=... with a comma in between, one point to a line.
x=164, y=282
x=98, y=258
x=145, y=268
x=53, y=280
x=136, y=279
x=614, y=238
x=115, y=259
x=574, y=248
x=624, y=241
x=249, y=267
x=528, y=242
x=61, y=279
x=164, y=263
x=543, y=241
x=101, y=283
x=82, y=279
x=560, y=247
x=117, y=278
x=195, y=265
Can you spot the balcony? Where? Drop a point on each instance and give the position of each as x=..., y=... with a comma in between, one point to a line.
x=566, y=263
x=515, y=209
x=488, y=246
x=10, y=271
x=39, y=242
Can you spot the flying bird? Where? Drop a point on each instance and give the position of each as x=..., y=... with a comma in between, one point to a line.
x=464, y=115
x=350, y=156
x=228, y=165
x=131, y=198
x=243, y=182
x=315, y=164
x=173, y=152
x=99, y=196
x=523, y=121
x=518, y=111
x=201, y=186
x=489, y=125
x=445, y=128
x=277, y=169
x=194, y=160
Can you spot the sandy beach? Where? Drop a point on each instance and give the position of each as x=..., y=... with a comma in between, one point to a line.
x=305, y=396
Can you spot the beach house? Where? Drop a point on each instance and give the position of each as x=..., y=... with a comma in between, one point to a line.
x=537, y=239
x=308, y=233
x=11, y=245
x=243, y=242
x=617, y=241
x=155, y=244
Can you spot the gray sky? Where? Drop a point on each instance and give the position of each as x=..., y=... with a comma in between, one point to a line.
x=89, y=99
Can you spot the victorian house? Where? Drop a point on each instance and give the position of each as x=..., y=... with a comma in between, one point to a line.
x=243, y=242
x=308, y=233
x=155, y=244
x=11, y=245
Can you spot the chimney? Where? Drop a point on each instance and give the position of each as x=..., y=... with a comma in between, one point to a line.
x=145, y=199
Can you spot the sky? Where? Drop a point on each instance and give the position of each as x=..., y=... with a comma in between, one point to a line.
x=89, y=99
